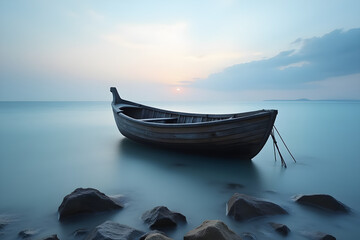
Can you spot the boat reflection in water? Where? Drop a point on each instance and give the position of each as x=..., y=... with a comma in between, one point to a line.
x=197, y=166
x=196, y=185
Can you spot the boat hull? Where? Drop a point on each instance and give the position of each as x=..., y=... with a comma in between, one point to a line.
x=242, y=136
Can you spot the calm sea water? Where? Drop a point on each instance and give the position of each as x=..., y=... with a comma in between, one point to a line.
x=47, y=149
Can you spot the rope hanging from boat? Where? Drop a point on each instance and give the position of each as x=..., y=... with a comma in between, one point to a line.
x=283, y=163
x=284, y=144
x=272, y=133
x=276, y=147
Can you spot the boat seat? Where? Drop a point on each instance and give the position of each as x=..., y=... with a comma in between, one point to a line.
x=161, y=120
x=120, y=107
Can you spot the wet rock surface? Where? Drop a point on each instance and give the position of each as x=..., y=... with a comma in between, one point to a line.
x=86, y=200
x=322, y=201
x=243, y=207
x=51, y=237
x=280, y=228
x=161, y=217
x=212, y=230
x=248, y=236
x=234, y=186
x=5, y=220
x=80, y=232
x=151, y=232
x=27, y=233
x=318, y=236
x=114, y=231
x=157, y=236
x=2, y=225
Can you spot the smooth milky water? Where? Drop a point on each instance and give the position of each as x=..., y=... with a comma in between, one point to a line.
x=48, y=149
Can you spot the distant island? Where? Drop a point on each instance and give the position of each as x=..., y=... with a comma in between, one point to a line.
x=317, y=100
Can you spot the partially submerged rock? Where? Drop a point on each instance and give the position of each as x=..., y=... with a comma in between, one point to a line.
x=212, y=230
x=6, y=220
x=234, y=186
x=143, y=237
x=161, y=217
x=80, y=232
x=280, y=228
x=2, y=225
x=28, y=233
x=157, y=236
x=318, y=236
x=248, y=236
x=244, y=207
x=51, y=237
x=323, y=201
x=86, y=200
x=114, y=231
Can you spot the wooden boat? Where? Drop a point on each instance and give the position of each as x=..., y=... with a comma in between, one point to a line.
x=240, y=134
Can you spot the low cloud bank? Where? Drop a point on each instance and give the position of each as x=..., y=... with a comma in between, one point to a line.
x=332, y=55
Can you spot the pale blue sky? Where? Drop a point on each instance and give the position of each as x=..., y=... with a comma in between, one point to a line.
x=155, y=50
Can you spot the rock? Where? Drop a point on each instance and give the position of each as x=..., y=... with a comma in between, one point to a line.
x=143, y=237
x=28, y=233
x=157, y=236
x=234, y=186
x=212, y=230
x=86, y=200
x=5, y=220
x=2, y=225
x=323, y=201
x=248, y=236
x=319, y=236
x=52, y=237
x=114, y=231
x=280, y=228
x=244, y=207
x=80, y=232
x=161, y=217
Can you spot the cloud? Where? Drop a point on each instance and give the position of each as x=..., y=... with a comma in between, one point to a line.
x=148, y=35
x=332, y=55
x=95, y=15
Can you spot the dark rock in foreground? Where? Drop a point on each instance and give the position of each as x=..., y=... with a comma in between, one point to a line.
x=234, y=186
x=157, y=236
x=319, y=236
x=86, y=200
x=143, y=237
x=323, y=201
x=80, y=232
x=2, y=225
x=212, y=230
x=114, y=231
x=4, y=221
x=244, y=207
x=52, y=237
x=248, y=236
x=280, y=228
x=28, y=233
x=161, y=217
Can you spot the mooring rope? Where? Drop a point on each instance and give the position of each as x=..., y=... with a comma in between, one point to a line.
x=283, y=163
x=284, y=144
x=272, y=132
